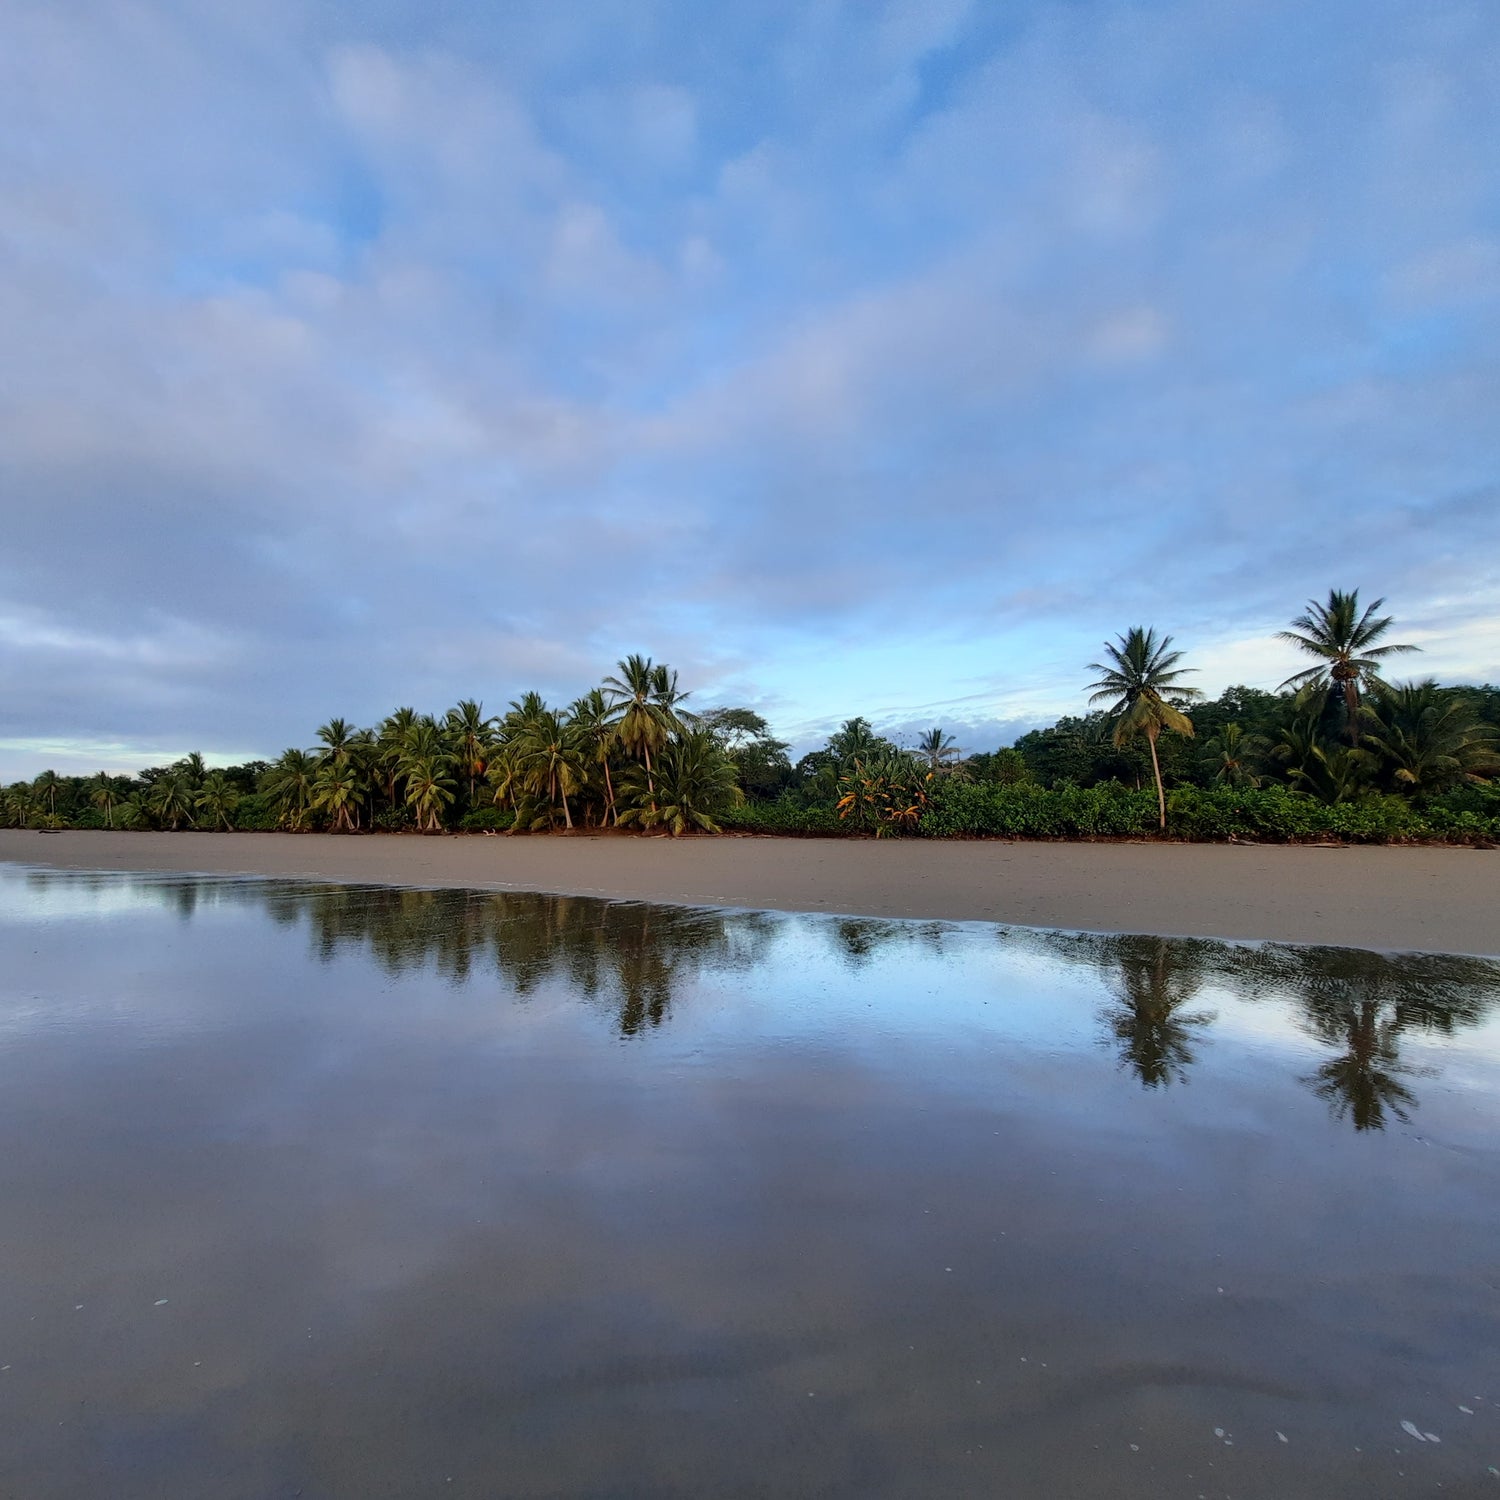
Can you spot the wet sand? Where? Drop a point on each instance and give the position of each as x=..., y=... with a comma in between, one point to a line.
x=1398, y=899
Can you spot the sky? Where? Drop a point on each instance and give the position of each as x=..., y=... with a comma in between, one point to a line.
x=850, y=357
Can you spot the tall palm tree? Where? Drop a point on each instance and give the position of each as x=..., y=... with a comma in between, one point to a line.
x=937, y=748
x=172, y=799
x=290, y=785
x=391, y=746
x=46, y=785
x=336, y=790
x=218, y=797
x=1344, y=642
x=855, y=739
x=646, y=721
x=429, y=788
x=338, y=735
x=1138, y=679
x=192, y=768
x=552, y=761
x=596, y=727
x=470, y=737
x=103, y=793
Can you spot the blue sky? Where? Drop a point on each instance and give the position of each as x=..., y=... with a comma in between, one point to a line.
x=850, y=357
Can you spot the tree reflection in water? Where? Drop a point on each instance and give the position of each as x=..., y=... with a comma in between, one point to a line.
x=1363, y=1003
x=1154, y=980
x=636, y=958
x=632, y=956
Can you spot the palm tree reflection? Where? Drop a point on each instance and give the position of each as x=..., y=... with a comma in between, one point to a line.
x=1154, y=979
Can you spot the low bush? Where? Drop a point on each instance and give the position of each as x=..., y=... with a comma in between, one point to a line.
x=486, y=820
x=784, y=816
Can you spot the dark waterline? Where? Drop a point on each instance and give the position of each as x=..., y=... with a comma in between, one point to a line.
x=359, y=1191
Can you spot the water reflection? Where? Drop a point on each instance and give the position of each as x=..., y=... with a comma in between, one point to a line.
x=1360, y=1002
x=635, y=958
x=1155, y=979
x=358, y=1192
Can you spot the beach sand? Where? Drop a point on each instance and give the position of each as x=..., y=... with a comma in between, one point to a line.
x=1398, y=899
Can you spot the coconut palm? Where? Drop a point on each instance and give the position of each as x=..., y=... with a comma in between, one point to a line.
x=695, y=782
x=104, y=793
x=429, y=788
x=46, y=786
x=217, y=798
x=470, y=739
x=192, y=769
x=854, y=740
x=552, y=763
x=646, y=720
x=290, y=785
x=390, y=742
x=338, y=735
x=171, y=799
x=596, y=728
x=1139, y=680
x=336, y=790
x=937, y=748
x=18, y=805
x=1427, y=740
x=1230, y=754
x=1344, y=642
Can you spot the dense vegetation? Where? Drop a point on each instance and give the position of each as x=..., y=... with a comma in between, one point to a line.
x=1338, y=752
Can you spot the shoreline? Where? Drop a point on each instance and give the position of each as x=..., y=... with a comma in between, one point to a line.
x=1394, y=899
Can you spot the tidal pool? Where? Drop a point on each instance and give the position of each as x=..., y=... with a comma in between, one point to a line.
x=354, y=1191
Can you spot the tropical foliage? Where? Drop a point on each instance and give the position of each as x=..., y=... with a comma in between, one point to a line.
x=1337, y=753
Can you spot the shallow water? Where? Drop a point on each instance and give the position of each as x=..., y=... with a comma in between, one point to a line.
x=352, y=1191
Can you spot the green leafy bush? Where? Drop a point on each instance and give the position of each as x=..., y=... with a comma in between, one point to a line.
x=486, y=820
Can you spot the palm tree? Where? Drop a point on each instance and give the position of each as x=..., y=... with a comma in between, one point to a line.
x=470, y=738
x=290, y=785
x=1229, y=753
x=1427, y=740
x=391, y=746
x=338, y=735
x=695, y=782
x=429, y=789
x=192, y=769
x=171, y=799
x=937, y=748
x=46, y=785
x=596, y=727
x=646, y=721
x=218, y=797
x=551, y=761
x=855, y=740
x=1344, y=642
x=1138, y=680
x=336, y=790
x=103, y=793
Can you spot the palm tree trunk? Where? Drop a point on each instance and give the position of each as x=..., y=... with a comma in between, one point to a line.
x=609, y=793
x=567, y=816
x=650, y=784
x=1351, y=707
x=1161, y=796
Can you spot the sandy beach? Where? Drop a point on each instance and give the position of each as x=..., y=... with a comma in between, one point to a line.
x=1439, y=900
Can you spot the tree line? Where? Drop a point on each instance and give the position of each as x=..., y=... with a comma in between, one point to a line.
x=1381, y=759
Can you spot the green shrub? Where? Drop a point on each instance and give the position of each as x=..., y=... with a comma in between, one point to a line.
x=487, y=820
x=784, y=816
x=1026, y=810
